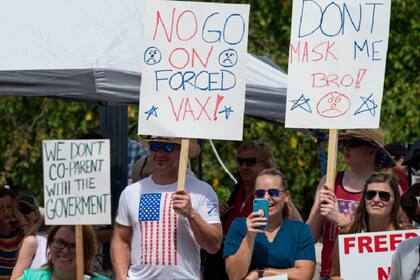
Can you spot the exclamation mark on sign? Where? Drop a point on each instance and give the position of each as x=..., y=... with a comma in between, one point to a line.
x=359, y=78
x=218, y=101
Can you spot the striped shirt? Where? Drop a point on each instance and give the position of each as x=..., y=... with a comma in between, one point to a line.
x=9, y=243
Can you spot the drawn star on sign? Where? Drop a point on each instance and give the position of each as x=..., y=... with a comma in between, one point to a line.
x=227, y=111
x=368, y=105
x=302, y=103
x=151, y=112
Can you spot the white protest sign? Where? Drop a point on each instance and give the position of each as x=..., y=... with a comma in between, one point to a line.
x=193, y=70
x=337, y=58
x=371, y=253
x=77, y=181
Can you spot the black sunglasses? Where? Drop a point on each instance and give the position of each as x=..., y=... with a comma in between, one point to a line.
x=384, y=196
x=61, y=244
x=249, y=162
x=352, y=143
x=167, y=147
x=271, y=192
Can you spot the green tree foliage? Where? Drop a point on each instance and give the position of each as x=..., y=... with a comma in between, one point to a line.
x=26, y=122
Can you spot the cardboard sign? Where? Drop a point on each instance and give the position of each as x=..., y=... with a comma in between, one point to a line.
x=77, y=179
x=193, y=72
x=370, y=253
x=337, y=58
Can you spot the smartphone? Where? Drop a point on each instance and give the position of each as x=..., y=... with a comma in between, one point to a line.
x=261, y=203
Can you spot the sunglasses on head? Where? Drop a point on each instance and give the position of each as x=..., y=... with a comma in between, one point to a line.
x=249, y=162
x=384, y=196
x=167, y=147
x=271, y=192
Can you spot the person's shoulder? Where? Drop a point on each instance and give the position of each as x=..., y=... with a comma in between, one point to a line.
x=30, y=240
x=35, y=274
x=297, y=225
x=197, y=185
x=133, y=187
x=409, y=244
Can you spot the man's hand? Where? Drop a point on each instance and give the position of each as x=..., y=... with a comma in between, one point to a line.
x=181, y=203
x=254, y=220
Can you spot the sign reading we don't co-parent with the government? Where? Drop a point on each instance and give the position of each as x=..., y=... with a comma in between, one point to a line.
x=193, y=70
x=76, y=181
x=337, y=58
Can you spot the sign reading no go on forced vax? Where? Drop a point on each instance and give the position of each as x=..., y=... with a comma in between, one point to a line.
x=193, y=70
x=76, y=182
x=337, y=58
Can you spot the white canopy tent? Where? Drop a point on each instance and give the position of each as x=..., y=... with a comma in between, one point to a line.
x=90, y=51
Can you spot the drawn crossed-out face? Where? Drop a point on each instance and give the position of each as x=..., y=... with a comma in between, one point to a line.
x=152, y=56
x=228, y=58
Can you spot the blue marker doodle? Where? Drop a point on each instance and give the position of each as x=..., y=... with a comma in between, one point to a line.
x=228, y=58
x=152, y=56
x=226, y=111
x=302, y=103
x=367, y=105
x=152, y=112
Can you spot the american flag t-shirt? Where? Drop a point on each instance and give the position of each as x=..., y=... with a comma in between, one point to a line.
x=158, y=229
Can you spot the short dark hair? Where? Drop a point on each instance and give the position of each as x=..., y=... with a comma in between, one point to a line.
x=6, y=192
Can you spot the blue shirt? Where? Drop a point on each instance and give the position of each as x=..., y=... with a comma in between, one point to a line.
x=292, y=242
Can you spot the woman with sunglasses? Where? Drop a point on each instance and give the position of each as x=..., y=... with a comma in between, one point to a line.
x=378, y=210
x=283, y=247
x=61, y=263
x=334, y=206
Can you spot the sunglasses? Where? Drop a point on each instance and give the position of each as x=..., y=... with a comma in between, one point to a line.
x=384, y=196
x=60, y=244
x=249, y=162
x=167, y=147
x=352, y=143
x=271, y=192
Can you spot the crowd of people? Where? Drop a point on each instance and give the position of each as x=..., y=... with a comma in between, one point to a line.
x=161, y=232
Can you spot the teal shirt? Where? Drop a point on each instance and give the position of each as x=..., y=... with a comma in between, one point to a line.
x=42, y=274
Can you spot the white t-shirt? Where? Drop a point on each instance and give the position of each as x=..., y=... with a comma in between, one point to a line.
x=163, y=245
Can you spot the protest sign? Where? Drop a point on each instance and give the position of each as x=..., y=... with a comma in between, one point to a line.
x=76, y=182
x=337, y=58
x=371, y=253
x=193, y=70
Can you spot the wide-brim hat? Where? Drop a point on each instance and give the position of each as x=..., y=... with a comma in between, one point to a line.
x=193, y=151
x=375, y=138
x=409, y=202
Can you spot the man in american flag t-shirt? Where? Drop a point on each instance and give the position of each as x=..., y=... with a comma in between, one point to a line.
x=159, y=231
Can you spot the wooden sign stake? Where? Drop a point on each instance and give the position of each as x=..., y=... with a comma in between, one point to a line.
x=80, y=268
x=183, y=160
x=332, y=158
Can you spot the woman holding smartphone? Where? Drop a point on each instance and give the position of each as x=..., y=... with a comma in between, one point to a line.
x=258, y=246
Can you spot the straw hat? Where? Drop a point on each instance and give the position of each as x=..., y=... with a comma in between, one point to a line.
x=194, y=148
x=374, y=137
x=409, y=202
